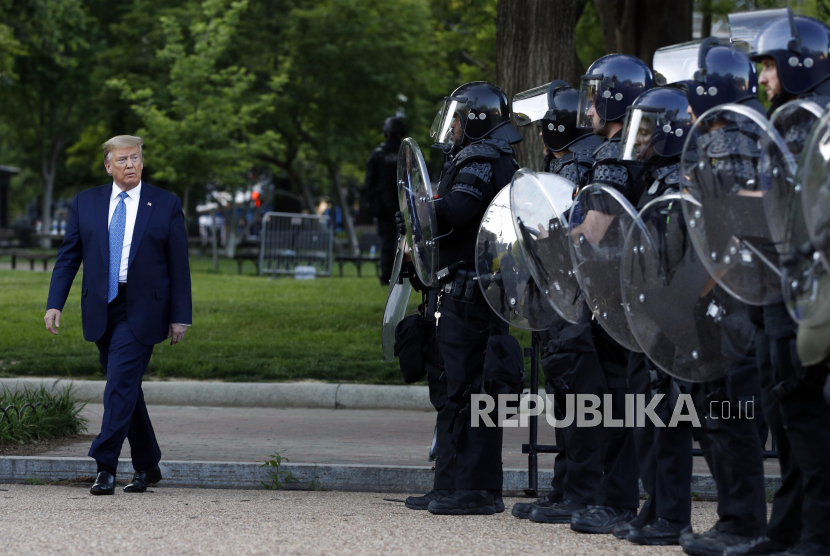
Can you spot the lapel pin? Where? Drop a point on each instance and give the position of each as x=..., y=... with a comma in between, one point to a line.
x=149, y=204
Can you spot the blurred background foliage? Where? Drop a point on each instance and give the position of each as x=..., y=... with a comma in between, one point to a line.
x=222, y=90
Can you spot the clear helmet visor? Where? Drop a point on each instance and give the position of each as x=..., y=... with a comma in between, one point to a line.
x=744, y=26
x=587, y=111
x=677, y=62
x=436, y=123
x=450, y=130
x=531, y=105
x=643, y=134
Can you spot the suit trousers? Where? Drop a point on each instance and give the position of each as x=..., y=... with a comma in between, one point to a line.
x=124, y=360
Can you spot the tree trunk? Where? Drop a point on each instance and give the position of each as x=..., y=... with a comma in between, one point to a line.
x=345, y=210
x=230, y=248
x=298, y=181
x=639, y=27
x=49, y=167
x=214, y=241
x=534, y=46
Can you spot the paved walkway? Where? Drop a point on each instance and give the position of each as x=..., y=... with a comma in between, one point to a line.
x=67, y=521
x=377, y=437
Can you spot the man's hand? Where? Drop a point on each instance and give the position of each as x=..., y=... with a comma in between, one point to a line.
x=52, y=316
x=176, y=333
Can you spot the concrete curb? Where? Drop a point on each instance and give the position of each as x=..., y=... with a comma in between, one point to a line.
x=307, y=476
x=250, y=394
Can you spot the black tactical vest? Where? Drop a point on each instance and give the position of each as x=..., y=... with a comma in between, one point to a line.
x=576, y=165
x=660, y=180
x=460, y=243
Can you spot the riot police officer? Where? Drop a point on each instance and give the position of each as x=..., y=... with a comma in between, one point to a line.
x=656, y=127
x=476, y=117
x=794, y=53
x=611, y=85
x=578, y=464
x=382, y=186
x=732, y=447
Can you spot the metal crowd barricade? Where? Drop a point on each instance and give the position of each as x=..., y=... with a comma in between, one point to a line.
x=289, y=240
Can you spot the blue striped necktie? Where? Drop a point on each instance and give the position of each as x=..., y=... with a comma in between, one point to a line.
x=117, y=226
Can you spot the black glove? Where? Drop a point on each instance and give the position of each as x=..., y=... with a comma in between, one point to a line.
x=408, y=271
x=400, y=223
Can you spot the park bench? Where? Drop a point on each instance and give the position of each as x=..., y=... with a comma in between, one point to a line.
x=365, y=243
x=247, y=251
x=7, y=236
x=31, y=255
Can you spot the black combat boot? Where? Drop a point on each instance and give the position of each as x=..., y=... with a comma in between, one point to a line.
x=422, y=502
x=601, y=519
x=660, y=532
x=465, y=502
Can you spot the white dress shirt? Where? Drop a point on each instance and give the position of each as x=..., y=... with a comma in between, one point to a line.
x=131, y=202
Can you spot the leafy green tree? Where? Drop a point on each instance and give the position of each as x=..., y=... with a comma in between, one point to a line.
x=42, y=105
x=377, y=58
x=198, y=126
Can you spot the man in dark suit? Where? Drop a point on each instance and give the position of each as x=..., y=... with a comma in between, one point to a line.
x=125, y=229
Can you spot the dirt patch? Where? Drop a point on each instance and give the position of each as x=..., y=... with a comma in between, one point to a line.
x=46, y=445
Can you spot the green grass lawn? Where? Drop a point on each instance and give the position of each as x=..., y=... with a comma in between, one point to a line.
x=245, y=328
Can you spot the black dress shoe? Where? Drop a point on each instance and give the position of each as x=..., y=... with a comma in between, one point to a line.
x=142, y=479
x=522, y=509
x=422, y=502
x=660, y=532
x=760, y=546
x=465, y=502
x=498, y=503
x=711, y=543
x=104, y=484
x=600, y=519
x=561, y=512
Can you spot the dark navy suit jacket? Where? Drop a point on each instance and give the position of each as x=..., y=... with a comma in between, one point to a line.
x=158, y=275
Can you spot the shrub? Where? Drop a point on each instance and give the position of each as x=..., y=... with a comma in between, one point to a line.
x=34, y=414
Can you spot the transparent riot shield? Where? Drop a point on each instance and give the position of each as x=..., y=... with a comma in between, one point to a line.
x=684, y=322
x=396, y=303
x=744, y=26
x=786, y=138
x=599, y=221
x=722, y=166
x=804, y=282
x=503, y=271
x=813, y=182
x=540, y=203
x=803, y=279
x=415, y=197
x=677, y=62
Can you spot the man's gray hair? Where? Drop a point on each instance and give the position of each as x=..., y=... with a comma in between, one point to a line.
x=122, y=142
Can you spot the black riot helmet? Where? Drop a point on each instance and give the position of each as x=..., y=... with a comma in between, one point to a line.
x=724, y=75
x=475, y=111
x=554, y=108
x=799, y=45
x=559, y=129
x=611, y=85
x=394, y=127
x=657, y=124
